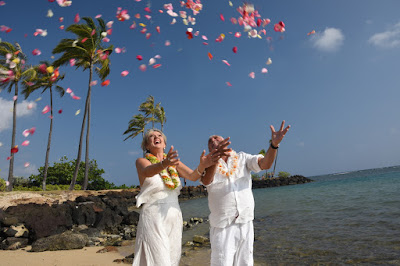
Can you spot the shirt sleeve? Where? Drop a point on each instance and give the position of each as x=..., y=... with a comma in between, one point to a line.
x=252, y=162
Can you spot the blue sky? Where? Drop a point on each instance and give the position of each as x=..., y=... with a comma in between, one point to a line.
x=338, y=88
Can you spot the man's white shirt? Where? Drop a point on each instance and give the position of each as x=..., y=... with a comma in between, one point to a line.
x=230, y=199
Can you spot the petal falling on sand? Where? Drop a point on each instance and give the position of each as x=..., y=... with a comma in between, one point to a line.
x=46, y=109
x=124, y=73
x=252, y=75
x=25, y=143
x=105, y=83
x=78, y=112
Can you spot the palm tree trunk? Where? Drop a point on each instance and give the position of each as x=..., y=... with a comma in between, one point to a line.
x=11, y=168
x=79, y=156
x=87, y=163
x=46, y=162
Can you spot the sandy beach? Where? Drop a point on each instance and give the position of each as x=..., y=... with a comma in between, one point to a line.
x=82, y=257
x=87, y=256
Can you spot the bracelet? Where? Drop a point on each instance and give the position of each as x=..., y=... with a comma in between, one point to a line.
x=200, y=174
x=273, y=147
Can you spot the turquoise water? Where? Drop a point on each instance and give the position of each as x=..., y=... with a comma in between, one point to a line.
x=350, y=218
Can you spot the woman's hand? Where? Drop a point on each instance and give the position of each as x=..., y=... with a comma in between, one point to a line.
x=172, y=158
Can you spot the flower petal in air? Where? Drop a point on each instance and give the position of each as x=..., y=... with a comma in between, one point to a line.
x=46, y=109
x=36, y=52
x=25, y=143
x=14, y=149
x=229, y=84
x=269, y=61
x=139, y=57
x=77, y=18
x=264, y=70
x=143, y=67
x=60, y=111
x=210, y=56
x=234, y=49
x=76, y=97
x=252, y=75
x=167, y=43
x=26, y=164
x=222, y=17
x=124, y=73
x=72, y=62
x=78, y=112
x=157, y=66
x=152, y=61
x=105, y=83
x=68, y=90
x=93, y=83
x=226, y=62
x=238, y=34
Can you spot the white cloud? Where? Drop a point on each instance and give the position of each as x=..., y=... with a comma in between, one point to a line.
x=6, y=113
x=329, y=40
x=387, y=39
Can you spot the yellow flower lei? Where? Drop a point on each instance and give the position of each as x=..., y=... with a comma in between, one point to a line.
x=170, y=177
x=234, y=165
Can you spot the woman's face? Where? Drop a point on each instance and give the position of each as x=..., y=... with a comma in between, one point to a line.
x=155, y=141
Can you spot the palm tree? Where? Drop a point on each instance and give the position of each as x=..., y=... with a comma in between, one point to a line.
x=46, y=78
x=88, y=51
x=149, y=110
x=160, y=115
x=12, y=71
x=136, y=126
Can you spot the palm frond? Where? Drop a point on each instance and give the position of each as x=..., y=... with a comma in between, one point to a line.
x=60, y=90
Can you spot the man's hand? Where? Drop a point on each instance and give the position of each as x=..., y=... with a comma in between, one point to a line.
x=277, y=136
x=223, y=149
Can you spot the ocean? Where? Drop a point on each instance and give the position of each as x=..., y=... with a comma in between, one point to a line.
x=345, y=218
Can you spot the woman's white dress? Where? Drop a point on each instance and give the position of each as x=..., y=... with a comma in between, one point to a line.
x=159, y=232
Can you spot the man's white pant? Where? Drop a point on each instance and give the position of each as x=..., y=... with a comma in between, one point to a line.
x=232, y=245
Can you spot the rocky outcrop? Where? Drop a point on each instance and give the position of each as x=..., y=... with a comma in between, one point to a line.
x=64, y=241
x=280, y=181
x=94, y=216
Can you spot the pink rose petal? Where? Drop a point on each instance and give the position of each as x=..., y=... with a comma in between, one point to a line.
x=143, y=67
x=226, y=62
x=26, y=164
x=93, y=83
x=264, y=70
x=229, y=84
x=25, y=143
x=68, y=90
x=36, y=52
x=124, y=73
x=252, y=75
x=167, y=43
x=46, y=109
x=77, y=18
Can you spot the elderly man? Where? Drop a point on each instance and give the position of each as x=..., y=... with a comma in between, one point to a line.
x=231, y=201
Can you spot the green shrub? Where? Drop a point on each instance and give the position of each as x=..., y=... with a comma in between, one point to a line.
x=283, y=174
x=3, y=185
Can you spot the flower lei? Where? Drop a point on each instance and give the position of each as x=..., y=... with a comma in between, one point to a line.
x=170, y=177
x=229, y=171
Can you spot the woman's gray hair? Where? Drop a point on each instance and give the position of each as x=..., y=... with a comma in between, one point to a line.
x=145, y=140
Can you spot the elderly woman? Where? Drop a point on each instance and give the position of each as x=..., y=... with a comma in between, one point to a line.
x=159, y=232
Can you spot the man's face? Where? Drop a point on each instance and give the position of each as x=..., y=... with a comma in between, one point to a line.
x=213, y=142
